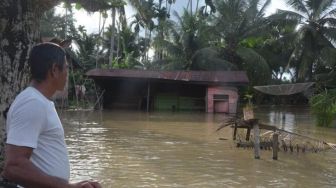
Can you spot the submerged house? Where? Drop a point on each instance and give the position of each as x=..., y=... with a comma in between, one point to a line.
x=209, y=91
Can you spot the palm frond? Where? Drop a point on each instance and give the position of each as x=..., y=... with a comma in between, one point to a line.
x=329, y=21
x=263, y=8
x=324, y=6
x=255, y=65
x=208, y=59
x=327, y=79
x=252, y=10
x=259, y=28
x=170, y=48
x=313, y=5
x=296, y=54
x=304, y=54
x=168, y=26
x=287, y=15
x=299, y=6
x=177, y=15
x=230, y=8
x=330, y=13
x=306, y=62
x=328, y=56
x=330, y=33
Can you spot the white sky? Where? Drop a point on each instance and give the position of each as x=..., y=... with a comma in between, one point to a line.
x=91, y=21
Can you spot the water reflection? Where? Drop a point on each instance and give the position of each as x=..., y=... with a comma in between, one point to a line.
x=133, y=149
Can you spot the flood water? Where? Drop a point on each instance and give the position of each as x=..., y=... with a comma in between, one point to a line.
x=166, y=149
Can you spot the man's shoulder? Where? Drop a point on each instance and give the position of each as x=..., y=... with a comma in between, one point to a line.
x=29, y=96
x=30, y=93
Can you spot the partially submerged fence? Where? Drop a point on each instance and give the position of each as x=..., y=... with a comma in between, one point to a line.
x=248, y=132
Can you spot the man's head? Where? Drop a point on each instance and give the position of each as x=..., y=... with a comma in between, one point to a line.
x=42, y=59
x=47, y=62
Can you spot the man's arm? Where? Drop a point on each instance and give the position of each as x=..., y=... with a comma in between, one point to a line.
x=18, y=168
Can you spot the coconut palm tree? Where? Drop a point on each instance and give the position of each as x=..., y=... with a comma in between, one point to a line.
x=315, y=35
x=145, y=16
x=235, y=22
x=88, y=49
x=130, y=47
x=117, y=6
x=152, y=15
x=163, y=15
x=276, y=47
x=187, y=45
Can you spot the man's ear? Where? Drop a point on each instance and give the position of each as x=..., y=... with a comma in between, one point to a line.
x=54, y=71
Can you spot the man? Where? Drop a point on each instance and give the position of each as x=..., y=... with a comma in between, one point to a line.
x=36, y=154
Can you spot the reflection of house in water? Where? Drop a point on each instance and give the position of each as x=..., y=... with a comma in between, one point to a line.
x=210, y=91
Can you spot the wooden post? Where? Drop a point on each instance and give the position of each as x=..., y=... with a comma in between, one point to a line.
x=256, y=133
x=248, y=133
x=248, y=115
x=148, y=95
x=275, y=146
x=235, y=131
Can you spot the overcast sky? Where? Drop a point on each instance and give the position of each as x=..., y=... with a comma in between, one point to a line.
x=91, y=21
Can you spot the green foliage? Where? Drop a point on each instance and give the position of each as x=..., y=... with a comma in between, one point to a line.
x=186, y=45
x=242, y=26
x=222, y=35
x=209, y=59
x=323, y=107
x=88, y=51
x=256, y=66
x=317, y=32
x=60, y=26
x=249, y=98
x=152, y=16
x=131, y=47
x=277, y=49
x=96, y=5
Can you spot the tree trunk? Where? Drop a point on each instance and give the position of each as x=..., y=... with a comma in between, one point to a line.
x=19, y=31
x=191, y=12
x=112, y=37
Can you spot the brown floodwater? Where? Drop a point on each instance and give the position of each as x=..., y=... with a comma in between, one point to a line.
x=166, y=149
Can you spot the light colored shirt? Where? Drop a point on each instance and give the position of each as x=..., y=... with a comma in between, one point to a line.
x=32, y=121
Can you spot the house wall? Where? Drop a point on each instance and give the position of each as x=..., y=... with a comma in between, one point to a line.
x=126, y=94
x=174, y=102
x=132, y=94
x=179, y=97
x=228, y=105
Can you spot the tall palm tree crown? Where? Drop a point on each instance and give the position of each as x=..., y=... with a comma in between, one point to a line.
x=235, y=22
x=315, y=37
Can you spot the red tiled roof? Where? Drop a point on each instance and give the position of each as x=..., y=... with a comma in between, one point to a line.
x=192, y=76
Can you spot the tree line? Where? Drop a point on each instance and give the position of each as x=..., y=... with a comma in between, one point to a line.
x=289, y=46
